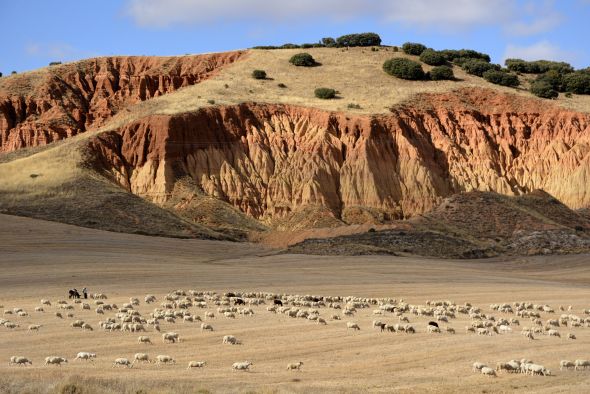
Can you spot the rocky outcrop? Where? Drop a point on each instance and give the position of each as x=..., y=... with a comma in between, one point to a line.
x=271, y=160
x=44, y=106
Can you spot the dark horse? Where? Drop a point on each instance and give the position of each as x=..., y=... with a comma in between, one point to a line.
x=278, y=302
x=239, y=301
x=73, y=293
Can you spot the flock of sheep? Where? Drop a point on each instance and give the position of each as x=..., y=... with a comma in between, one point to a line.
x=177, y=305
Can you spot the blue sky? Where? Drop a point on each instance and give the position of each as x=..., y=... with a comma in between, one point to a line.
x=35, y=32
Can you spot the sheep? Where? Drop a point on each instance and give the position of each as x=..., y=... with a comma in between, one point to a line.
x=483, y=331
x=242, y=366
x=230, y=339
x=196, y=364
x=477, y=366
x=205, y=326
x=566, y=364
x=164, y=359
x=46, y=302
x=11, y=325
x=210, y=315
x=536, y=369
x=19, y=360
x=353, y=326
x=508, y=367
x=450, y=330
x=433, y=329
x=294, y=366
x=34, y=327
x=54, y=360
x=554, y=333
x=122, y=362
x=581, y=364
x=134, y=301
x=488, y=371
x=144, y=339
x=77, y=324
x=321, y=320
x=39, y=309
x=85, y=356
x=170, y=337
x=141, y=358
x=571, y=336
x=86, y=326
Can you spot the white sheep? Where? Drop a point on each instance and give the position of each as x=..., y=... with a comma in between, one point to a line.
x=242, y=366
x=352, y=325
x=488, y=371
x=54, y=360
x=294, y=366
x=144, y=339
x=205, y=326
x=230, y=339
x=566, y=364
x=170, y=337
x=34, y=327
x=19, y=360
x=85, y=356
x=196, y=364
x=122, y=362
x=554, y=333
x=433, y=329
x=581, y=364
x=477, y=366
x=141, y=358
x=164, y=359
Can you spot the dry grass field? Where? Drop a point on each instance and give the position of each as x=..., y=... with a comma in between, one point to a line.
x=42, y=260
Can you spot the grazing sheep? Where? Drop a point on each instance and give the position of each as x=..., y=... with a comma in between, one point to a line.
x=488, y=371
x=170, y=337
x=205, y=326
x=39, y=309
x=46, y=302
x=34, y=327
x=353, y=326
x=210, y=315
x=477, y=366
x=230, y=339
x=164, y=359
x=196, y=364
x=242, y=366
x=566, y=364
x=141, y=358
x=450, y=330
x=144, y=339
x=433, y=329
x=122, y=362
x=149, y=298
x=581, y=364
x=20, y=361
x=86, y=326
x=321, y=320
x=294, y=366
x=85, y=356
x=554, y=333
x=11, y=325
x=54, y=360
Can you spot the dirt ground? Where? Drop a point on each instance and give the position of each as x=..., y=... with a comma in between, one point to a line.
x=42, y=260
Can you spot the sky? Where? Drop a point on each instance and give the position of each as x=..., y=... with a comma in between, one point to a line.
x=36, y=32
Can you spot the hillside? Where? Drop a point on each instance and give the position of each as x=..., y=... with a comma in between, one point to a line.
x=470, y=225
x=210, y=150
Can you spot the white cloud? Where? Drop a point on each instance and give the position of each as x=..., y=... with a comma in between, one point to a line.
x=534, y=27
x=433, y=14
x=55, y=51
x=542, y=50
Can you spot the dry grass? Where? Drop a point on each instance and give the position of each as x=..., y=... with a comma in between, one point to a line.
x=55, y=257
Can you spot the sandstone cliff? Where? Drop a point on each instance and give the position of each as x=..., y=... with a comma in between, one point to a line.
x=40, y=107
x=272, y=160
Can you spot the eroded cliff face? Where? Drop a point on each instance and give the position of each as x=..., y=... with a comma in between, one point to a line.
x=271, y=160
x=39, y=108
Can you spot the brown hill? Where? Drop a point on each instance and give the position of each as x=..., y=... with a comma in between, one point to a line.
x=214, y=147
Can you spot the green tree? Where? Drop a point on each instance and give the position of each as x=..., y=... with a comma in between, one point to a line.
x=404, y=68
x=303, y=59
x=441, y=73
x=413, y=48
x=325, y=93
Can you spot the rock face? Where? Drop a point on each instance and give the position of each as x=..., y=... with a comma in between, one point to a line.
x=41, y=107
x=272, y=160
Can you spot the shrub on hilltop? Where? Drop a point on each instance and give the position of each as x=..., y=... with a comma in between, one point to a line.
x=303, y=59
x=413, y=48
x=478, y=67
x=404, y=69
x=432, y=57
x=500, y=77
x=442, y=73
x=359, y=40
x=325, y=93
